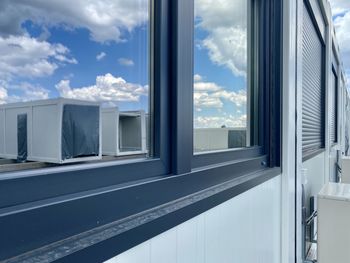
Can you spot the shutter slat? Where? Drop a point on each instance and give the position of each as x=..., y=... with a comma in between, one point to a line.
x=313, y=111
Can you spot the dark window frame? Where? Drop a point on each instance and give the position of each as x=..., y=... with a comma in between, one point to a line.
x=48, y=212
x=53, y=181
x=265, y=88
x=335, y=101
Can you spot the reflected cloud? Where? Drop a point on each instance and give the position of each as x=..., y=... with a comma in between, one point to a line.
x=107, y=88
x=225, y=22
x=211, y=95
x=27, y=57
x=106, y=20
x=23, y=92
x=126, y=62
x=100, y=56
x=221, y=121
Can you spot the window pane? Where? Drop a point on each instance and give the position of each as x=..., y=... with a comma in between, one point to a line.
x=221, y=75
x=74, y=81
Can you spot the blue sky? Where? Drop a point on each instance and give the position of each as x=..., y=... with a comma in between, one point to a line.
x=220, y=55
x=98, y=51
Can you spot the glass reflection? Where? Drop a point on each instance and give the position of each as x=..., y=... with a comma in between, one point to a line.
x=220, y=80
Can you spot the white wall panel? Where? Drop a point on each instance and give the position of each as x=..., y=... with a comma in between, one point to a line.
x=186, y=244
x=245, y=229
x=314, y=176
x=163, y=247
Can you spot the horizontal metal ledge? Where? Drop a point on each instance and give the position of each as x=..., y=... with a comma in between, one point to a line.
x=215, y=157
x=30, y=186
x=104, y=242
x=30, y=226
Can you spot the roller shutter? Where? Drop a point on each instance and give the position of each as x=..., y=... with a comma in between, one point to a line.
x=313, y=92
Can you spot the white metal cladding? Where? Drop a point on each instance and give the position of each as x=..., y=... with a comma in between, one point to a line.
x=333, y=109
x=313, y=99
x=246, y=229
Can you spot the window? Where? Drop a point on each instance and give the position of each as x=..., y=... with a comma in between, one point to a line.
x=313, y=89
x=74, y=83
x=84, y=205
x=221, y=75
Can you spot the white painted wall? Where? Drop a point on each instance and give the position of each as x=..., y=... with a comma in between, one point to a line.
x=314, y=176
x=332, y=163
x=245, y=229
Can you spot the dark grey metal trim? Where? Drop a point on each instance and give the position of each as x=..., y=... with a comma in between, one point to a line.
x=201, y=160
x=38, y=184
x=58, y=218
x=104, y=242
x=19, y=188
x=266, y=89
x=182, y=116
x=43, y=207
x=318, y=17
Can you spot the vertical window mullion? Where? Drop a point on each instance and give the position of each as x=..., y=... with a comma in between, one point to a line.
x=182, y=85
x=160, y=80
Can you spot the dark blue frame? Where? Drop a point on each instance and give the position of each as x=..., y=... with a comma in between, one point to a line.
x=90, y=213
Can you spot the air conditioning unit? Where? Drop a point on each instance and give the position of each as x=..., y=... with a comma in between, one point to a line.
x=54, y=131
x=123, y=133
x=333, y=239
x=345, y=169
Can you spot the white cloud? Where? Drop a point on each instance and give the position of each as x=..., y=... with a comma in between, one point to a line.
x=225, y=21
x=339, y=6
x=197, y=78
x=22, y=92
x=3, y=95
x=219, y=121
x=27, y=57
x=100, y=56
x=211, y=95
x=239, y=98
x=206, y=87
x=126, y=62
x=203, y=99
x=106, y=20
x=107, y=88
x=29, y=92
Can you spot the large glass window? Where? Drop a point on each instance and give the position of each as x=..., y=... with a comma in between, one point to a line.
x=74, y=81
x=221, y=86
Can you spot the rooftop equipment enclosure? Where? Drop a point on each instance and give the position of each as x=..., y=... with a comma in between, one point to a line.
x=54, y=131
x=123, y=133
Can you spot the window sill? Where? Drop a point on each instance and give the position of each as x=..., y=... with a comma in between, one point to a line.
x=152, y=208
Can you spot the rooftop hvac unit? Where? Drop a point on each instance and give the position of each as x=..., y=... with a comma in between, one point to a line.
x=123, y=133
x=211, y=139
x=54, y=131
x=333, y=223
x=345, y=169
